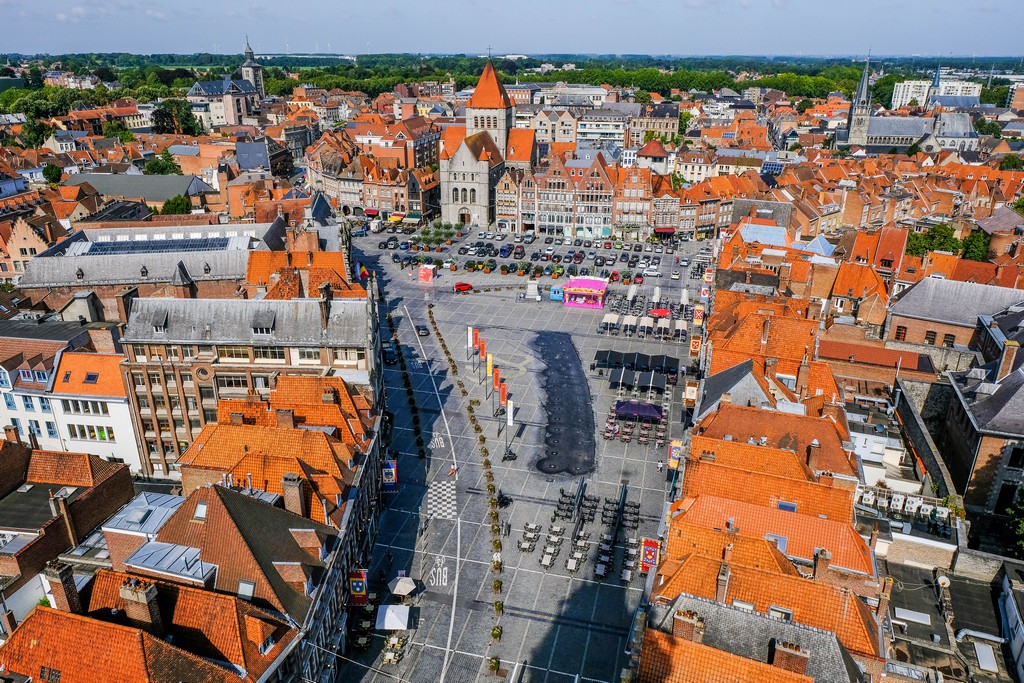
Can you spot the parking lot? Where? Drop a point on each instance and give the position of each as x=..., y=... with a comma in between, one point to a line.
x=560, y=619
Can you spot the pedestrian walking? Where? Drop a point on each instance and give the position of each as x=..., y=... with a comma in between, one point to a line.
x=661, y=466
x=390, y=559
x=452, y=470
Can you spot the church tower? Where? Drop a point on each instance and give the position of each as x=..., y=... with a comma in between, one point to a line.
x=860, y=110
x=936, y=88
x=253, y=72
x=490, y=109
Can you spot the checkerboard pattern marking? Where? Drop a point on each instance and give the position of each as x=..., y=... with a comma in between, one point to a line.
x=441, y=502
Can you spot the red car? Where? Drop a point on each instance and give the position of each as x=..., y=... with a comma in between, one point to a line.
x=462, y=287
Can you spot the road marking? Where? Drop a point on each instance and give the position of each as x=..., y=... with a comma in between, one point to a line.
x=437, y=441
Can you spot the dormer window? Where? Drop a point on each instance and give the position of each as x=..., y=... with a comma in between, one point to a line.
x=246, y=589
x=160, y=322
x=144, y=272
x=200, y=513
x=40, y=376
x=25, y=375
x=263, y=322
x=266, y=645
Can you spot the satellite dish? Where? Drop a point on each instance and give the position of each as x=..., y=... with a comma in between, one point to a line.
x=944, y=581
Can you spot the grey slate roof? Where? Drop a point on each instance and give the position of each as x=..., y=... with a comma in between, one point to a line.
x=221, y=87
x=297, y=322
x=749, y=634
x=993, y=406
x=152, y=188
x=127, y=268
x=739, y=382
x=899, y=126
x=949, y=301
x=1003, y=219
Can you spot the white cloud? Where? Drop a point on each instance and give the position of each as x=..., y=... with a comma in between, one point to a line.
x=156, y=14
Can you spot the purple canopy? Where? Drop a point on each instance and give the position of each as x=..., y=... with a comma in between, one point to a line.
x=638, y=409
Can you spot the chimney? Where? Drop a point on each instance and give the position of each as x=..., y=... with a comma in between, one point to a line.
x=293, y=494
x=730, y=526
x=725, y=398
x=62, y=585
x=140, y=605
x=723, y=583
x=727, y=553
x=883, y=601
x=59, y=508
x=873, y=539
x=237, y=418
x=285, y=418
x=1010, y=349
x=813, y=448
x=11, y=434
x=325, y=303
x=7, y=621
x=688, y=626
x=802, y=375
x=822, y=558
x=789, y=656
x=329, y=397
x=765, y=326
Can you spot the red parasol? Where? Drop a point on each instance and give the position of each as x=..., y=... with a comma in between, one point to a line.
x=659, y=312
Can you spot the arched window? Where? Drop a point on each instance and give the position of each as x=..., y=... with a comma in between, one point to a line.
x=472, y=196
x=455, y=195
x=463, y=195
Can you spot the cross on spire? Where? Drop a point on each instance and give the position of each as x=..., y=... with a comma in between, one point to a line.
x=488, y=52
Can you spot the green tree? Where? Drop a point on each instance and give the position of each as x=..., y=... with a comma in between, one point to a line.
x=938, y=238
x=913, y=103
x=1018, y=206
x=178, y=204
x=986, y=127
x=175, y=116
x=52, y=173
x=684, y=120
x=976, y=246
x=34, y=133
x=642, y=97
x=1011, y=162
x=116, y=129
x=803, y=105
x=913, y=149
x=162, y=164
x=1015, y=527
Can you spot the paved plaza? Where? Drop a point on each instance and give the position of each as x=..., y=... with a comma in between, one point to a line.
x=556, y=624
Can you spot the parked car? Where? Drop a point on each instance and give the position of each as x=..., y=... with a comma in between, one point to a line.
x=652, y=272
x=389, y=352
x=383, y=244
x=675, y=274
x=462, y=287
x=422, y=330
x=549, y=240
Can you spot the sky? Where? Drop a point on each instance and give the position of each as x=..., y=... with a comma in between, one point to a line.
x=685, y=27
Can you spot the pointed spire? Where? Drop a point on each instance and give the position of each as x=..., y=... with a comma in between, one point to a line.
x=937, y=81
x=863, y=94
x=489, y=93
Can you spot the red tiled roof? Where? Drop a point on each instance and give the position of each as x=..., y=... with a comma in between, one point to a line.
x=489, y=93
x=78, y=649
x=89, y=374
x=668, y=659
x=803, y=533
x=871, y=355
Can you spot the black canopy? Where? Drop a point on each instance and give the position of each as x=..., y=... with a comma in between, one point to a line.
x=601, y=358
x=622, y=377
x=651, y=380
x=615, y=359
x=637, y=361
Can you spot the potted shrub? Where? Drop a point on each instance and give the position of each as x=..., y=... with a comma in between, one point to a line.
x=470, y=265
x=487, y=464
x=494, y=664
x=496, y=631
x=454, y=268
x=496, y=544
x=486, y=270
x=504, y=269
x=496, y=566
x=493, y=516
x=491, y=489
x=499, y=607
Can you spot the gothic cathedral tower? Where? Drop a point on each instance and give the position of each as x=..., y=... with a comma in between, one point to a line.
x=860, y=110
x=253, y=72
x=490, y=109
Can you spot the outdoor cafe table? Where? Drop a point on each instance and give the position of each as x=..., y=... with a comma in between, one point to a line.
x=547, y=560
x=600, y=570
x=627, y=575
x=579, y=555
x=572, y=565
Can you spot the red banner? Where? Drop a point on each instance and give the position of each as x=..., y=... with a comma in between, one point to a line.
x=476, y=338
x=497, y=378
x=483, y=349
x=649, y=556
x=503, y=395
x=357, y=587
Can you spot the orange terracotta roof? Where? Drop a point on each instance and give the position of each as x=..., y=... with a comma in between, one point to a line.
x=871, y=355
x=69, y=469
x=76, y=648
x=803, y=533
x=750, y=457
x=783, y=430
x=858, y=280
x=89, y=374
x=668, y=659
x=451, y=138
x=520, y=145
x=758, y=488
x=489, y=93
x=212, y=625
x=684, y=539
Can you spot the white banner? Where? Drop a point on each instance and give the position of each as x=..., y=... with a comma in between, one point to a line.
x=508, y=414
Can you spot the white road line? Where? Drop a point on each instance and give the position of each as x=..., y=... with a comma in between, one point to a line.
x=458, y=521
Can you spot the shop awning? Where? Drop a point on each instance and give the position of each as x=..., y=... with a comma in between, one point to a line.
x=358, y=211
x=639, y=409
x=396, y=217
x=414, y=214
x=409, y=218
x=371, y=212
x=665, y=231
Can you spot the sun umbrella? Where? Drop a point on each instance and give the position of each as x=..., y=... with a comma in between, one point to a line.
x=402, y=586
x=659, y=312
x=393, y=618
